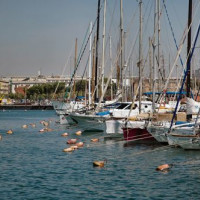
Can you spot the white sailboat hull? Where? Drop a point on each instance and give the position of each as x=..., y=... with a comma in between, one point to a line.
x=89, y=122
x=186, y=141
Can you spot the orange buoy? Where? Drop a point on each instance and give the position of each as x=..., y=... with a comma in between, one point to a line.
x=10, y=132
x=78, y=133
x=80, y=144
x=1, y=137
x=99, y=163
x=164, y=167
x=65, y=134
x=95, y=140
x=72, y=141
x=48, y=129
x=68, y=150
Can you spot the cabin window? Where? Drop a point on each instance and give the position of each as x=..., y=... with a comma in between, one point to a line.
x=122, y=106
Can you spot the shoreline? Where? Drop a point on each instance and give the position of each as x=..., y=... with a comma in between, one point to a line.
x=26, y=107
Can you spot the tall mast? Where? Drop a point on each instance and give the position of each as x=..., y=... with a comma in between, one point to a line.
x=140, y=58
x=103, y=47
x=150, y=66
x=121, y=46
x=188, y=85
x=110, y=54
x=154, y=66
x=159, y=67
x=97, y=42
x=90, y=66
x=188, y=82
x=75, y=63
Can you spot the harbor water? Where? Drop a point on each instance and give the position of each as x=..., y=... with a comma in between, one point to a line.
x=34, y=166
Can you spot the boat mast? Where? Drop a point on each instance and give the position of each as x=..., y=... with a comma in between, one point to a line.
x=90, y=66
x=188, y=82
x=121, y=47
x=158, y=59
x=150, y=66
x=75, y=63
x=103, y=48
x=110, y=54
x=140, y=58
x=97, y=42
x=154, y=67
x=188, y=85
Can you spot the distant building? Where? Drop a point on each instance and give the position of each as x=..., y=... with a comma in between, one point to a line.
x=16, y=83
x=4, y=87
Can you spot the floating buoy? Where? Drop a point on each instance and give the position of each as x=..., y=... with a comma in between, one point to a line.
x=25, y=126
x=72, y=141
x=99, y=163
x=65, y=134
x=164, y=167
x=44, y=123
x=68, y=150
x=33, y=125
x=75, y=147
x=48, y=129
x=95, y=140
x=78, y=133
x=80, y=144
x=10, y=132
x=42, y=130
x=1, y=137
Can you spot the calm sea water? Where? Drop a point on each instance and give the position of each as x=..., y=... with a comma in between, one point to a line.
x=33, y=166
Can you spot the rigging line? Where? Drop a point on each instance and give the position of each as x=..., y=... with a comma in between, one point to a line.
x=112, y=17
x=188, y=65
x=83, y=75
x=67, y=62
x=180, y=49
x=128, y=62
x=70, y=84
x=172, y=31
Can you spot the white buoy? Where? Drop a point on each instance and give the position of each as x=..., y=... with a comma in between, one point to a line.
x=80, y=144
x=75, y=147
x=25, y=126
x=65, y=134
x=68, y=150
x=78, y=133
x=41, y=130
x=72, y=141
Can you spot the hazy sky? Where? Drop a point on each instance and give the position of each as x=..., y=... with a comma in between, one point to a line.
x=40, y=34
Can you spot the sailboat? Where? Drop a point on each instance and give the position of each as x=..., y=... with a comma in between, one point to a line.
x=187, y=139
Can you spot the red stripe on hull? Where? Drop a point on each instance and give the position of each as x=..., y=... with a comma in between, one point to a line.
x=137, y=134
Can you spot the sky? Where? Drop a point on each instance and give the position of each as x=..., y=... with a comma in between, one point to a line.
x=39, y=35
